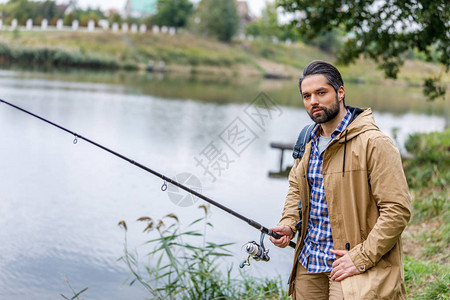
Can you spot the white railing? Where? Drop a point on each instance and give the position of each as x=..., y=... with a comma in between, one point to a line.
x=103, y=25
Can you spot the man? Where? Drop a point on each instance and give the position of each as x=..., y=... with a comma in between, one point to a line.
x=347, y=197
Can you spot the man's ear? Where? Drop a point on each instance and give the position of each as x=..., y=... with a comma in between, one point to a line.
x=341, y=93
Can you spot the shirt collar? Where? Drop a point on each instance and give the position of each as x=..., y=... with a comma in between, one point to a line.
x=342, y=125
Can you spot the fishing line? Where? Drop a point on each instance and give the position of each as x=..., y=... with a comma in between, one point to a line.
x=254, y=224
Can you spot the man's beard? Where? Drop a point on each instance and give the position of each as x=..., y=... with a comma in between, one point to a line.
x=327, y=114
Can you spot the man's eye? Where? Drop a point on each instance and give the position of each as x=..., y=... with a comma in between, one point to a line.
x=306, y=97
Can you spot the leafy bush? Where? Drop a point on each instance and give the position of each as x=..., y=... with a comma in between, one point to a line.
x=431, y=158
x=428, y=173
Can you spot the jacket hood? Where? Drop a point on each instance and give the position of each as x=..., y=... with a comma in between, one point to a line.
x=362, y=121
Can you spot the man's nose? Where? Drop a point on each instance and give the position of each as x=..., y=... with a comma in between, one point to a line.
x=314, y=100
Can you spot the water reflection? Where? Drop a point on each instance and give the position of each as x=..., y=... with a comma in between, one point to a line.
x=386, y=96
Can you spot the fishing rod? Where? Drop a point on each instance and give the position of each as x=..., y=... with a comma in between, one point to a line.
x=255, y=250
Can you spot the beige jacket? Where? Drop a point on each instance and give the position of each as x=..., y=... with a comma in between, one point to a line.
x=368, y=204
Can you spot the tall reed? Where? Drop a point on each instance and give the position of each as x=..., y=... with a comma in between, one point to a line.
x=184, y=265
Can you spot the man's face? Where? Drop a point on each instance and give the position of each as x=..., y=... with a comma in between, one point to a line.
x=320, y=99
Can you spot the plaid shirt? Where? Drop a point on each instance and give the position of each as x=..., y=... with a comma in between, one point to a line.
x=315, y=255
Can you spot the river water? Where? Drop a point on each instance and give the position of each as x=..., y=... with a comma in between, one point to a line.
x=61, y=202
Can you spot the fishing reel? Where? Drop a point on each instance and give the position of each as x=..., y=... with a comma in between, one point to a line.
x=255, y=251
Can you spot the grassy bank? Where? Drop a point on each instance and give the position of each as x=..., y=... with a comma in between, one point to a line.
x=427, y=237
x=53, y=57
x=185, y=52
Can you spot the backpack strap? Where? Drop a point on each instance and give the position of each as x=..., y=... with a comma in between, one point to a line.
x=303, y=138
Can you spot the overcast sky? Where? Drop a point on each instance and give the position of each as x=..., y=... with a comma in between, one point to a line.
x=255, y=5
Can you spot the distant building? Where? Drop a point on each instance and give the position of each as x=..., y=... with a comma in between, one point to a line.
x=111, y=11
x=140, y=8
x=67, y=8
x=244, y=12
x=244, y=15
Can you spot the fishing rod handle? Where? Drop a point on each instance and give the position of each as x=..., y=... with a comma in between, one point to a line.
x=277, y=236
x=268, y=231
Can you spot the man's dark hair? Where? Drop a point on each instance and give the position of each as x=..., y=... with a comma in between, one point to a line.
x=326, y=69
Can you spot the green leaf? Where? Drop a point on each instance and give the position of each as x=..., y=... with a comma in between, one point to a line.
x=79, y=293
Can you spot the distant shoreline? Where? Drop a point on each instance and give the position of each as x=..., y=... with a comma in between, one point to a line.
x=185, y=53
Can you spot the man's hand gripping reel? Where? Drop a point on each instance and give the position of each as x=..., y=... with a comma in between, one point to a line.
x=255, y=251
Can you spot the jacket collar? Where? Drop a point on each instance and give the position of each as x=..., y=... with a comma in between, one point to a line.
x=362, y=121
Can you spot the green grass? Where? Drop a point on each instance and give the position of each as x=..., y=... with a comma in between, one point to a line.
x=296, y=54
x=427, y=240
x=426, y=280
x=187, y=49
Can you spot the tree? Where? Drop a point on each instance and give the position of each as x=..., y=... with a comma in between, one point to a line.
x=385, y=31
x=69, y=18
x=218, y=18
x=330, y=42
x=268, y=24
x=89, y=15
x=115, y=18
x=173, y=13
x=47, y=10
x=21, y=10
